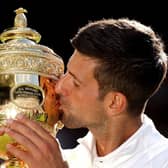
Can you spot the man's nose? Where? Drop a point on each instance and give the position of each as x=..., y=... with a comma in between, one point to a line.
x=60, y=87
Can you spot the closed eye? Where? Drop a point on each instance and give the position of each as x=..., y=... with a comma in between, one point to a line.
x=76, y=84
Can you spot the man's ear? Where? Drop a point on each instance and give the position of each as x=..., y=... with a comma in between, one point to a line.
x=115, y=103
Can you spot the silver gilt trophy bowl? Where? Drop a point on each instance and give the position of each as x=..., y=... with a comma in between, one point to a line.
x=28, y=75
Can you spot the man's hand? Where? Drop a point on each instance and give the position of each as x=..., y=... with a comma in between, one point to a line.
x=41, y=149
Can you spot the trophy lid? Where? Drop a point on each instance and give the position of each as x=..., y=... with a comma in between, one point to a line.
x=20, y=53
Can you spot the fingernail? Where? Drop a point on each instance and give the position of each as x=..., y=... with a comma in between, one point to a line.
x=9, y=121
x=20, y=116
x=2, y=129
x=9, y=146
x=7, y=129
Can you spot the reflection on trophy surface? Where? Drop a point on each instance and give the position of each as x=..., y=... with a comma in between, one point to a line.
x=28, y=75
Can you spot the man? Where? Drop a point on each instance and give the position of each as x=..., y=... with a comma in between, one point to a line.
x=117, y=65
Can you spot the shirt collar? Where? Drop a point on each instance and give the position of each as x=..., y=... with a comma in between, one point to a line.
x=147, y=124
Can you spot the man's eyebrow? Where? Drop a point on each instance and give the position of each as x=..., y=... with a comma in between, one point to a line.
x=74, y=76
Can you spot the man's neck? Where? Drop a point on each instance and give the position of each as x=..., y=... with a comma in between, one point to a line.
x=111, y=137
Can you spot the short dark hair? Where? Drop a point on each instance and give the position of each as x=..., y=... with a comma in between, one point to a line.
x=130, y=55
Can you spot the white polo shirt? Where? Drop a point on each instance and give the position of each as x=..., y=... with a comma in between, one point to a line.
x=146, y=148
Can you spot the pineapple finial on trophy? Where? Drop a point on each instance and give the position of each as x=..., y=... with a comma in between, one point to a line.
x=20, y=29
x=20, y=18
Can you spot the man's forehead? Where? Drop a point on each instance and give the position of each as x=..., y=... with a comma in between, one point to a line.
x=80, y=59
x=80, y=65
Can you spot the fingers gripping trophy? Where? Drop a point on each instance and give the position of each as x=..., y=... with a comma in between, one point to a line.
x=28, y=75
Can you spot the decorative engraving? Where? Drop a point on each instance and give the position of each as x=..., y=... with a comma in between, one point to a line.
x=26, y=63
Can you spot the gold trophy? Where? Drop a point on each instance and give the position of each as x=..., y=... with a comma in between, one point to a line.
x=28, y=75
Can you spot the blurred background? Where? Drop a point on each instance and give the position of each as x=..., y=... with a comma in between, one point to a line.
x=57, y=22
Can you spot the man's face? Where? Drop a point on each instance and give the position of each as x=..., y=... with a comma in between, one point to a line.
x=79, y=94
